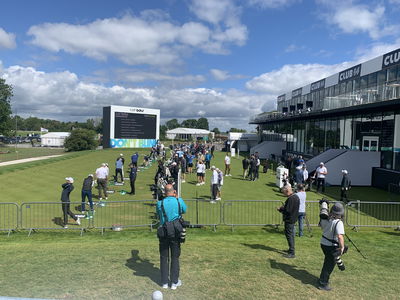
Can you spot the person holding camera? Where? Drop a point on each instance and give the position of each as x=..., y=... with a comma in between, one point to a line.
x=168, y=210
x=332, y=241
x=290, y=212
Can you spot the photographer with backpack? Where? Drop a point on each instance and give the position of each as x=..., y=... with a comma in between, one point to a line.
x=169, y=211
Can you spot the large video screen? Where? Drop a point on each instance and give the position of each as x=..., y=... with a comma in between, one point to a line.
x=135, y=126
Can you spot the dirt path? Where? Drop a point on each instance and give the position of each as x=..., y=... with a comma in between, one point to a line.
x=20, y=161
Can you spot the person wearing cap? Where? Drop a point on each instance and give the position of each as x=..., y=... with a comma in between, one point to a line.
x=227, y=164
x=135, y=158
x=87, y=192
x=220, y=183
x=214, y=184
x=345, y=186
x=332, y=239
x=320, y=174
x=118, y=169
x=67, y=187
x=102, y=177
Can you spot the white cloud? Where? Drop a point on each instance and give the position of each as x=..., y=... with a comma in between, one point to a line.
x=354, y=18
x=222, y=75
x=150, y=38
x=363, y=54
x=294, y=48
x=265, y=4
x=63, y=96
x=7, y=40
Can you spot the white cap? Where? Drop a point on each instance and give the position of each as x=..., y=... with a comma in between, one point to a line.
x=69, y=179
x=103, y=164
x=121, y=154
x=344, y=171
x=90, y=175
x=321, y=163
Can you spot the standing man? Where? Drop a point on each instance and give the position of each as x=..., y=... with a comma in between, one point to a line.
x=302, y=207
x=102, y=177
x=68, y=187
x=320, y=174
x=208, y=159
x=87, y=192
x=245, y=165
x=132, y=178
x=345, y=186
x=214, y=184
x=332, y=241
x=220, y=183
x=227, y=164
x=212, y=150
x=170, y=248
x=118, y=169
x=135, y=159
x=290, y=212
x=253, y=166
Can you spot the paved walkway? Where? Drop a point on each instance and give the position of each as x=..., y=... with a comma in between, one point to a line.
x=20, y=161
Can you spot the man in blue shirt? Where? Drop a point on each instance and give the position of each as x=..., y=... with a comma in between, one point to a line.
x=132, y=178
x=170, y=245
x=135, y=158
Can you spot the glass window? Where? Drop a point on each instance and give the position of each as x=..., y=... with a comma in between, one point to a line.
x=336, y=89
x=372, y=79
x=392, y=73
x=349, y=86
x=363, y=82
x=342, y=88
x=357, y=84
x=382, y=77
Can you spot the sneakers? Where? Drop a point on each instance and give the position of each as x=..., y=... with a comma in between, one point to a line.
x=289, y=255
x=175, y=285
x=78, y=221
x=324, y=287
x=218, y=199
x=165, y=286
x=213, y=202
x=183, y=181
x=106, y=198
x=66, y=227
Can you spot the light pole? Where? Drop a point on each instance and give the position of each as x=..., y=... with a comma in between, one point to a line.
x=16, y=128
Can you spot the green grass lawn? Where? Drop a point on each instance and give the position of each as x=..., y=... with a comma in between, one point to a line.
x=12, y=153
x=246, y=264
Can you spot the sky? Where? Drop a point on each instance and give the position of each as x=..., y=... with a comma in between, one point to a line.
x=226, y=60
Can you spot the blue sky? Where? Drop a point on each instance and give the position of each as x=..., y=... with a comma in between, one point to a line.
x=226, y=60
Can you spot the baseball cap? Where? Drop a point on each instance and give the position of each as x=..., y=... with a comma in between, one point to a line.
x=70, y=179
x=344, y=171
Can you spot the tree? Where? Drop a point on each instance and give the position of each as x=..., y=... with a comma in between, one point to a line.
x=216, y=130
x=236, y=130
x=171, y=124
x=81, y=139
x=163, y=132
x=190, y=123
x=6, y=92
x=202, y=123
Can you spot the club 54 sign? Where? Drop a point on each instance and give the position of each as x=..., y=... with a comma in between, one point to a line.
x=391, y=58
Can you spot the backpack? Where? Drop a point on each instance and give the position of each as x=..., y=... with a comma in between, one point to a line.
x=172, y=229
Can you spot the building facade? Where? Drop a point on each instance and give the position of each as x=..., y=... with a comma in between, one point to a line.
x=358, y=109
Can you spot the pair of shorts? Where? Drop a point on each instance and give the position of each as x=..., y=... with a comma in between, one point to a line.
x=200, y=175
x=190, y=165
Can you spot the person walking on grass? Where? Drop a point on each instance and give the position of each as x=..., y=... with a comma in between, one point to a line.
x=245, y=165
x=132, y=177
x=290, y=212
x=68, y=187
x=227, y=165
x=102, y=177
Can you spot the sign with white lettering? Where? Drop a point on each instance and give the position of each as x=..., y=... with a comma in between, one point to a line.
x=391, y=58
x=281, y=98
x=297, y=92
x=318, y=85
x=350, y=73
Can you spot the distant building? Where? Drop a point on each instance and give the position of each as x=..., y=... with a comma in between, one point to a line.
x=54, y=139
x=188, y=134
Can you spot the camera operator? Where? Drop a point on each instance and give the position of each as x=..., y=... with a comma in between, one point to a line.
x=332, y=241
x=290, y=212
x=170, y=247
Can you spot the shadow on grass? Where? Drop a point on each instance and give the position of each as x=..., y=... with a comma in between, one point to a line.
x=395, y=233
x=299, y=274
x=273, y=229
x=263, y=247
x=58, y=221
x=143, y=267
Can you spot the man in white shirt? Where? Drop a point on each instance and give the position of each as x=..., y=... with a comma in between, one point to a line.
x=302, y=207
x=227, y=165
x=320, y=174
x=102, y=177
x=214, y=184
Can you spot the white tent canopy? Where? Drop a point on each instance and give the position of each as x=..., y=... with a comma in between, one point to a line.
x=188, y=133
x=54, y=139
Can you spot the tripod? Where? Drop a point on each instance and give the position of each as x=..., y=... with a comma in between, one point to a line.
x=358, y=250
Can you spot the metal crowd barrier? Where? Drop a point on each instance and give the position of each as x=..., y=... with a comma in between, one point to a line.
x=9, y=216
x=251, y=213
x=203, y=213
x=373, y=214
x=131, y=213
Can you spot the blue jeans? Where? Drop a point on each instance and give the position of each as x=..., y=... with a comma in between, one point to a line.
x=301, y=222
x=87, y=194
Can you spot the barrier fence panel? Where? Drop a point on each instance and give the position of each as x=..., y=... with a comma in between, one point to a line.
x=8, y=216
x=251, y=212
x=202, y=212
x=373, y=214
x=49, y=215
x=131, y=213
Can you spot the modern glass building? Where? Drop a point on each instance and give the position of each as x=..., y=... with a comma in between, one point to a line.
x=358, y=108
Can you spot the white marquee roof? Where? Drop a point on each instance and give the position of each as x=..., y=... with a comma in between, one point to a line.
x=181, y=130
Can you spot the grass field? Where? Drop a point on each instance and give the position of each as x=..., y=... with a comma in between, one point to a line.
x=12, y=153
x=244, y=264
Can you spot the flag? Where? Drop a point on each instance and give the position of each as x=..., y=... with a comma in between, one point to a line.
x=43, y=130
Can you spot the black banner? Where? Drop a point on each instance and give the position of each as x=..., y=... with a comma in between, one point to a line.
x=391, y=59
x=134, y=126
x=350, y=73
x=318, y=85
